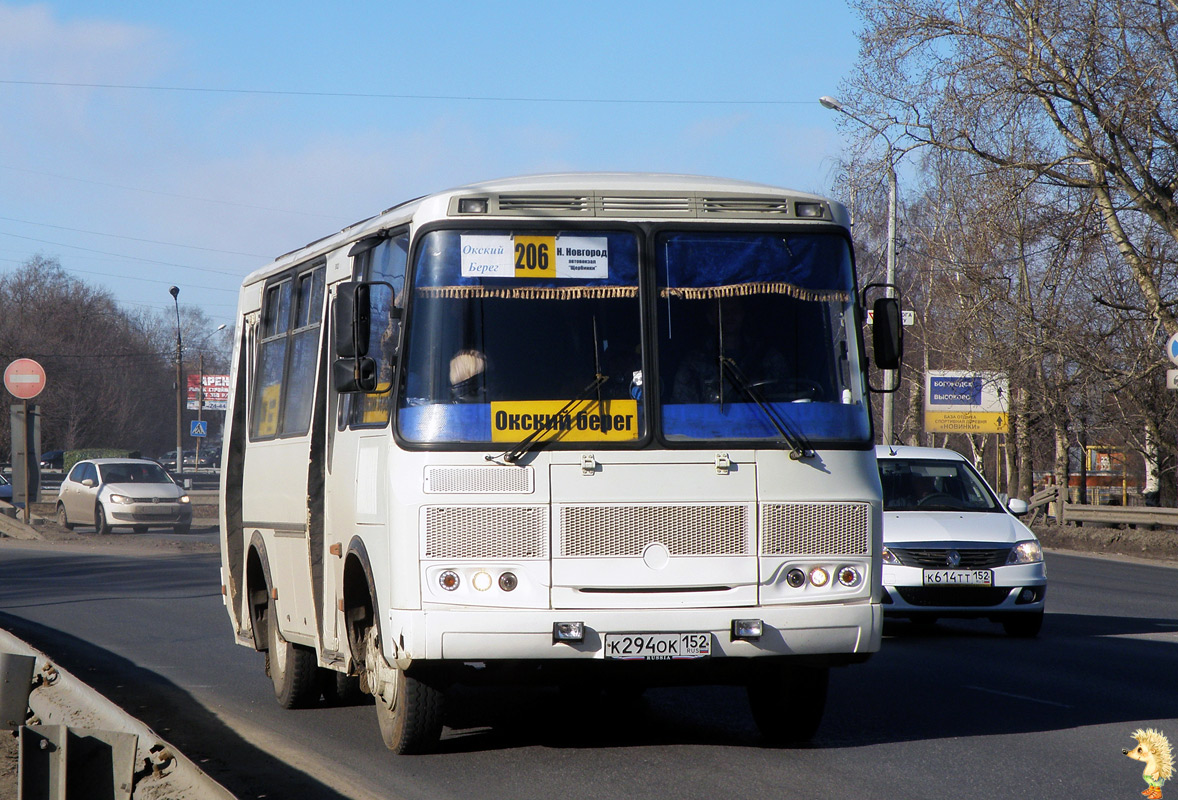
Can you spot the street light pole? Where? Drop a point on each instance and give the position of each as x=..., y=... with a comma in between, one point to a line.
x=175, y=292
x=889, y=399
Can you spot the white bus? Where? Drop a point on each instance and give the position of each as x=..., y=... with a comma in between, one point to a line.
x=597, y=430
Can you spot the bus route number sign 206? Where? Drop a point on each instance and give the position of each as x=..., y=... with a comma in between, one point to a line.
x=657, y=646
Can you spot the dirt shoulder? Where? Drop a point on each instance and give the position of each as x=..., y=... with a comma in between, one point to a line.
x=1160, y=545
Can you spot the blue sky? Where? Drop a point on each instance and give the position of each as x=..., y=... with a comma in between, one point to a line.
x=257, y=127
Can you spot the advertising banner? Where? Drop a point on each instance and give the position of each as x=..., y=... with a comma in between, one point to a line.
x=216, y=392
x=957, y=401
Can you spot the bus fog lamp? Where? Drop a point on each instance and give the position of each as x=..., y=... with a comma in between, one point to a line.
x=481, y=581
x=748, y=630
x=795, y=578
x=568, y=631
x=508, y=581
x=449, y=580
x=849, y=576
x=819, y=576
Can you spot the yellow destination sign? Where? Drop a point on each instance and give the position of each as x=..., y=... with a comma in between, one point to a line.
x=612, y=421
x=966, y=422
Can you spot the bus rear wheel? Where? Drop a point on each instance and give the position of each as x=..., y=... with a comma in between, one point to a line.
x=408, y=710
x=788, y=702
x=291, y=667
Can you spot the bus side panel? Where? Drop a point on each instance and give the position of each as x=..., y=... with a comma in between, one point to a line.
x=274, y=492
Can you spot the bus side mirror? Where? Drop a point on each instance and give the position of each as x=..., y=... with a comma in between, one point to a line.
x=887, y=333
x=354, y=374
x=353, y=319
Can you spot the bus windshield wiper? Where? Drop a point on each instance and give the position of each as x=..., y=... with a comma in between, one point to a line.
x=798, y=449
x=513, y=455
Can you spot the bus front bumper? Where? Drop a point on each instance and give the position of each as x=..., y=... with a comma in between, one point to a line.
x=842, y=632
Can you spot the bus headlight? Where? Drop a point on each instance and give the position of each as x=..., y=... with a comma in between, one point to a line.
x=849, y=576
x=449, y=580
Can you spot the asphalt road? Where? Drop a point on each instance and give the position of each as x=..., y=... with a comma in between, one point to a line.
x=957, y=710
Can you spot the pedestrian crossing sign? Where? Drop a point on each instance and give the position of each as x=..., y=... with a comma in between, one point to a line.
x=199, y=428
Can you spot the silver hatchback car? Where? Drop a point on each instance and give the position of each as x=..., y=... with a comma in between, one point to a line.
x=129, y=492
x=951, y=549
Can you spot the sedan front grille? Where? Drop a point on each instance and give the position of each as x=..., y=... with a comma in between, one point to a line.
x=953, y=596
x=938, y=557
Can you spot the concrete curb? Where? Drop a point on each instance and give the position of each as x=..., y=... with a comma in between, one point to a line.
x=13, y=528
x=68, y=701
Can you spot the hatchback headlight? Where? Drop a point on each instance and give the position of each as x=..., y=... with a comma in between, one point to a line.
x=184, y=499
x=118, y=499
x=1028, y=552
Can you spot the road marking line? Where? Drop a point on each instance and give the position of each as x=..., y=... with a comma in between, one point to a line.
x=1019, y=697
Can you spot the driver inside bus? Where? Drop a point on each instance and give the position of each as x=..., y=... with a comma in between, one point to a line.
x=468, y=377
x=700, y=377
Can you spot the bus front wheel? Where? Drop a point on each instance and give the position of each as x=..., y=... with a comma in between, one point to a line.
x=291, y=667
x=408, y=710
x=788, y=702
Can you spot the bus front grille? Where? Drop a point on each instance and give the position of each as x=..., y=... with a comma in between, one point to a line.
x=483, y=532
x=821, y=529
x=685, y=530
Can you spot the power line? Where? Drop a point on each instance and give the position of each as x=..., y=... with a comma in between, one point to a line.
x=121, y=256
x=215, y=200
x=133, y=238
x=389, y=96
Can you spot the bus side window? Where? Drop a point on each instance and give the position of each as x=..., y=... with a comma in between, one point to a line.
x=284, y=381
x=271, y=360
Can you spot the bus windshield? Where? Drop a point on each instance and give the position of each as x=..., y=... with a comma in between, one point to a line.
x=518, y=333
x=755, y=334
x=535, y=333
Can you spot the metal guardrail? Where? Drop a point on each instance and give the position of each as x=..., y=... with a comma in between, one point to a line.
x=1106, y=515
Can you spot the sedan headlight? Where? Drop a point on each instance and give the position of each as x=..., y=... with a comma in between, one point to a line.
x=118, y=499
x=1028, y=552
x=889, y=557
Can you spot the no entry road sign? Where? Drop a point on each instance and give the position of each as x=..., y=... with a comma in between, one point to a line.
x=24, y=378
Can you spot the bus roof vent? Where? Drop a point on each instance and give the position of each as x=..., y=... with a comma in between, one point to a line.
x=545, y=204
x=745, y=206
x=649, y=206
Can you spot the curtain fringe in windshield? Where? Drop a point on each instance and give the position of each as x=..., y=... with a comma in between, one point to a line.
x=749, y=289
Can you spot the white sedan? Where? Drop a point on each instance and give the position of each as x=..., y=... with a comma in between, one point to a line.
x=132, y=492
x=951, y=549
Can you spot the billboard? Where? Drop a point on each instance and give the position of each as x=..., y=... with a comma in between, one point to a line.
x=959, y=401
x=216, y=392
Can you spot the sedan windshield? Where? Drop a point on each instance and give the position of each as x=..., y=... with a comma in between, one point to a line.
x=133, y=473
x=933, y=485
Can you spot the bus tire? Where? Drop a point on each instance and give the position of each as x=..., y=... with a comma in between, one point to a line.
x=409, y=712
x=788, y=703
x=292, y=667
